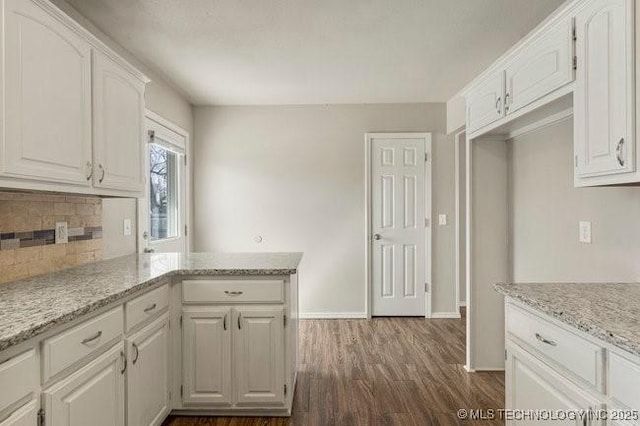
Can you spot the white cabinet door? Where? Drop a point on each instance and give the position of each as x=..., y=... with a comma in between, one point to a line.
x=148, y=374
x=93, y=395
x=26, y=415
x=259, y=356
x=604, y=109
x=118, y=126
x=206, y=356
x=531, y=385
x=540, y=68
x=47, y=107
x=485, y=102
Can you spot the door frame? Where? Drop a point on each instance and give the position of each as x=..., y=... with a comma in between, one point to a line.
x=460, y=139
x=428, y=228
x=142, y=221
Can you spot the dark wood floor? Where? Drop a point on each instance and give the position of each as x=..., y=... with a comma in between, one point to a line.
x=387, y=371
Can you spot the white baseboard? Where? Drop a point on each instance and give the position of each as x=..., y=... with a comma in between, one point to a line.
x=333, y=315
x=476, y=370
x=447, y=315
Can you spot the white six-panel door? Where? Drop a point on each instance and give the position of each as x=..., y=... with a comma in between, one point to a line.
x=398, y=224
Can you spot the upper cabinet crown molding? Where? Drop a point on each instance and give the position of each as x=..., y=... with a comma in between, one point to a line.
x=73, y=108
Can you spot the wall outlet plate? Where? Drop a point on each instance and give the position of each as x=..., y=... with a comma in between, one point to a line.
x=442, y=219
x=62, y=233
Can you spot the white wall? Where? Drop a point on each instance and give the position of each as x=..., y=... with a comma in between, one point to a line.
x=546, y=209
x=295, y=176
x=114, y=242
x=161, y=97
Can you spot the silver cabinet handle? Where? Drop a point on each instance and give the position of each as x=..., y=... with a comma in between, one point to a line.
x=149, y=308
x=543, y=340
x=92, y=338
x=377, y=237
x=506, y=103
x=101, y=173
x=239, y=321
x=90, y=168
x=619, y=152
x=498, y=103
x=232, y=293
x=224, y=322
x=124, y=362
x=135, y=348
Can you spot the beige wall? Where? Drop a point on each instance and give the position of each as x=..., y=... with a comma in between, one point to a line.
x=546, y=209
x=295, y=176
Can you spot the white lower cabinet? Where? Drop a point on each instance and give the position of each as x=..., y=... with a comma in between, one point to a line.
x=259, y=356
x=27, y=415
x=148, y=374
x=532, y=387
x=94, y=395
x=207, y=356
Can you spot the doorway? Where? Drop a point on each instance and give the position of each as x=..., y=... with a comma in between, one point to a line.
x=398, y=224
x=163, y=213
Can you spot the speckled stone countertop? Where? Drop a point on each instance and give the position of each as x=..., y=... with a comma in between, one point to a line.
x=32, y=306
x=610, y=312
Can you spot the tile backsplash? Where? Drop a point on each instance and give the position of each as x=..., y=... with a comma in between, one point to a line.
x=27, y=233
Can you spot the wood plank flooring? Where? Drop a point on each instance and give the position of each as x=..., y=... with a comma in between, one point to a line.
x=387, y=371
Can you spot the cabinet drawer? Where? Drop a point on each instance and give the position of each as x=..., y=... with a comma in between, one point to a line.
x=233, y=291
x=573, y=353
x=146, y=306
x=23, y=373
x=624, y=381
x=72, y=345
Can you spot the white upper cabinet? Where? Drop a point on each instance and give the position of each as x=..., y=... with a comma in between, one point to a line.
x=485, y=102
x=604, y=97
x=540, y=68
x=73, y=109
x=118, y=126
x=47, y=102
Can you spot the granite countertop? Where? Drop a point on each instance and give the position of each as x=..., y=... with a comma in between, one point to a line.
x=610, y=312
x=32, y=306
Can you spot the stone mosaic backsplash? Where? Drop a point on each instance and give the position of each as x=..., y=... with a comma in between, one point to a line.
x=27, y=233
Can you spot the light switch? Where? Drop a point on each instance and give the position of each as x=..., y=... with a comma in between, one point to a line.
x=126, y=227
x=442, y=219
x=584, y=232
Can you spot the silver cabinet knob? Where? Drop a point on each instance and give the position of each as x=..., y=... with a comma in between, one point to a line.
x=377, y=236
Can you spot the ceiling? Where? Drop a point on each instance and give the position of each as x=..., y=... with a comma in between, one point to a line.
x=257, y=52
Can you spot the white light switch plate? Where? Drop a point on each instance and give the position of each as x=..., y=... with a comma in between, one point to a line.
x=126, y=227
x=442, y=219
x=584, y=232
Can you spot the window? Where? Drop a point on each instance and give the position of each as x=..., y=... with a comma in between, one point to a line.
x=163, y=197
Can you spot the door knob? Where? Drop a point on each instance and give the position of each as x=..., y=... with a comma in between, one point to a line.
x=377, y=236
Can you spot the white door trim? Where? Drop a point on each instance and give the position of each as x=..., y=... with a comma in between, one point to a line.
x=458, y=145
x=369, y=208
x=150, y=115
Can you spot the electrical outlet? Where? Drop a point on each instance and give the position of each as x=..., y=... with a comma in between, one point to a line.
x=584, y=232
x=62, y=233
x=126, y=227
x=442, y=219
